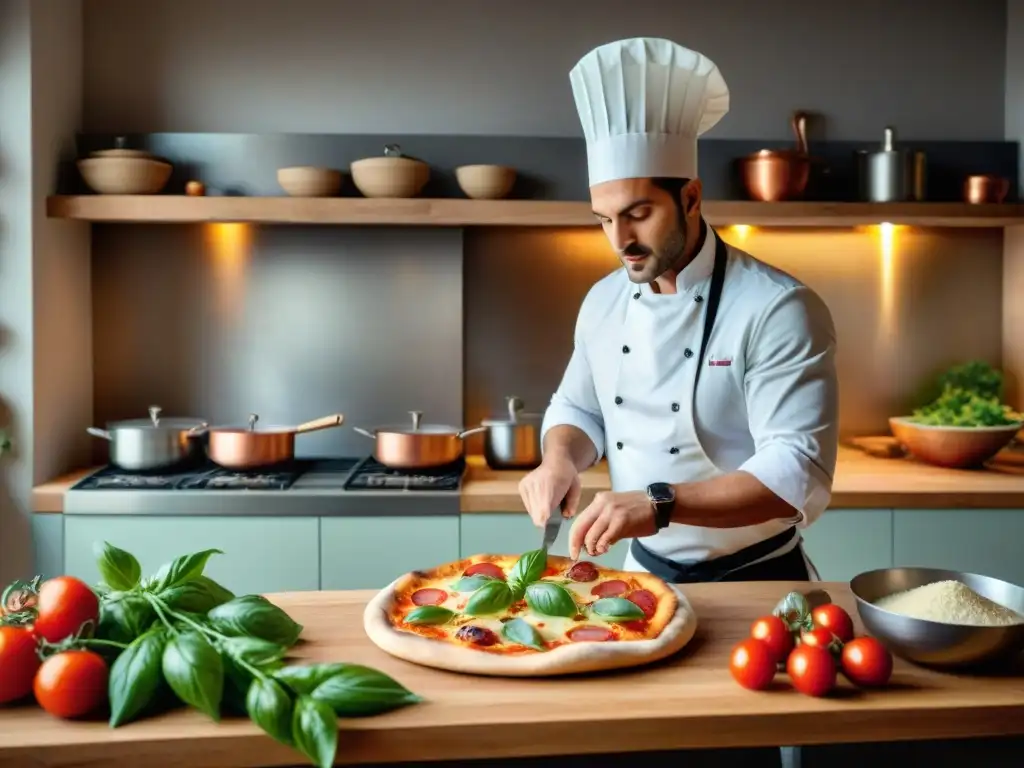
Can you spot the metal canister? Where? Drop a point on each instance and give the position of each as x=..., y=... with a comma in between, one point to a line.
x=891, y=175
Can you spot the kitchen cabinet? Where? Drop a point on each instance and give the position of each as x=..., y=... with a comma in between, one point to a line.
x=371, y=552
x=844, y=542
x=261, y=554
x=514, y=533
x=47, y=546
x=986, y=541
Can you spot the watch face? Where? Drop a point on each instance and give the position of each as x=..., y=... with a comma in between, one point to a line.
x=660, y=492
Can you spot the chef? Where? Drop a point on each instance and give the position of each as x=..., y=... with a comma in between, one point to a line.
x=711, y=482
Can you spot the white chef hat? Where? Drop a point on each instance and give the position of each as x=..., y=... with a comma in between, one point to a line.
x=642, y=103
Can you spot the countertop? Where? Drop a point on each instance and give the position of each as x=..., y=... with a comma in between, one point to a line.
x=861, y=481
x=698, y=704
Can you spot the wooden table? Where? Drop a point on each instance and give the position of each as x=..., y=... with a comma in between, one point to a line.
x=687, y=702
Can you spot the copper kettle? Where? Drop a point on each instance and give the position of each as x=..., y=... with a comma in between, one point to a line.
x=771, y=175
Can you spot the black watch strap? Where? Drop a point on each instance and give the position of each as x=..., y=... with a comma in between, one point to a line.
x=663, y=501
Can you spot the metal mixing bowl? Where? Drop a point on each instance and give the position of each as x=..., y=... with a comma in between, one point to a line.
x=931, y=643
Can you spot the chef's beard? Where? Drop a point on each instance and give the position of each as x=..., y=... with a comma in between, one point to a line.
x=667, y=255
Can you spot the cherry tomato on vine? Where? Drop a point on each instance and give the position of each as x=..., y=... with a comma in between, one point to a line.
x=833, y=618
x=774, y=633
x=18, y=663
x=71, y=683
x=752, y=664
x=812, y=670
x=64, y=605
x=819, y=636
x=866, y=662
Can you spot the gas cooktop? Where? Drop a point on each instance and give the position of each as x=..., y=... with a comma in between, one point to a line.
x=365, y=474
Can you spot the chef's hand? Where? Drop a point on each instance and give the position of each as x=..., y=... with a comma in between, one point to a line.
x=609, y=518
x=544, y=488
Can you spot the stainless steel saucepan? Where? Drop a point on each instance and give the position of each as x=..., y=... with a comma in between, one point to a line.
x=513, y=443
x=418, y=445
x=141, y=445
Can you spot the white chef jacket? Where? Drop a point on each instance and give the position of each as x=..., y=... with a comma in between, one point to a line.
x=767, y=401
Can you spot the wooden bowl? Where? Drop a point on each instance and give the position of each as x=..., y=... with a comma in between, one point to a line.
x=952, y=447
x=485, y=182
x=124, y=175
x=309, y=181
x=390, y=176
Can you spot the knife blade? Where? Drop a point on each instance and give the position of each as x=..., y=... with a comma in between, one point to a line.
x=553, y=526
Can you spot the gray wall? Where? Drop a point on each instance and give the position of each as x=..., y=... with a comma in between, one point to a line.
x=471, y=67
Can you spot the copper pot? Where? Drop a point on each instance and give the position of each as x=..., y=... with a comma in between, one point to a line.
x=985, y=188
x=771, y=175
x=252, y=447
x=418, y=445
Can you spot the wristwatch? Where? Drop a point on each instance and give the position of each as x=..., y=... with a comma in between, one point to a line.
x=663, y=500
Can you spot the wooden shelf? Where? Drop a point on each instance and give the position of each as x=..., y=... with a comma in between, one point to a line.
x=508, y=213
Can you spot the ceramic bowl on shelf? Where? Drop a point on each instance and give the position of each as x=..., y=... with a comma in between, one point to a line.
x=933, y=643
x=309, y=181
x=485, y=182
x=952, y=447
x=123, y=175
x=391, y=175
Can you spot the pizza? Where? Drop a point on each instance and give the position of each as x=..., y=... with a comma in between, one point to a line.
x=530, y=615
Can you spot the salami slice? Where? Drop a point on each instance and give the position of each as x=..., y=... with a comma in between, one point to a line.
x=614, y=588
x=429, y=596
x=485, y=569
x=583, y=571
x=590, y=634
x=645, y=600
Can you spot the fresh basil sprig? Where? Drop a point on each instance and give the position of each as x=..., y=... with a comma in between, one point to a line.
x=528, y=568
x=522, y=632
x=551, y=599
x=429, y=614
x=493, y=597
x=472, y=583
x=617, y=609
x=185, y=632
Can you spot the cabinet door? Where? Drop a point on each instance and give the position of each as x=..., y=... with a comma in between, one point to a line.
x=261, y=554
x=513, y=533
x=844, y=542
x=985, y=541
x=371, y=552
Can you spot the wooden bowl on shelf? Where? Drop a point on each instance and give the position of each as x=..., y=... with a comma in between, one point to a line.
x=952, y=447
x=391, y=175
x=309, y=181
x=124, y=175
x=485, y=182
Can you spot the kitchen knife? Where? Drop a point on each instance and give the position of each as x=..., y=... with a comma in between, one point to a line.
x=553, y=526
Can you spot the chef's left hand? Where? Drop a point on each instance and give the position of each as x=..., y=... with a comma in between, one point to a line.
x=610, y=517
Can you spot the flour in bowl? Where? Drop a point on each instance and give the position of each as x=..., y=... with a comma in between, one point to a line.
x=949, y=602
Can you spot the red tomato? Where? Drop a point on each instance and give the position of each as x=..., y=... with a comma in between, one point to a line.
x=832, y=617
x=18, y=663
x=819, y=637
x=71, y=683
x=65, y=604
x=774, y=633
x=866, y=662
x=812, y=670
x=752, y=664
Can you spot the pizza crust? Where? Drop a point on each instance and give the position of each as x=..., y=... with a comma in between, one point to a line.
x=573, y=658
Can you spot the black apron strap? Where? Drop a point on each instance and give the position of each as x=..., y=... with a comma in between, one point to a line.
x=717, y=569
x=714, y=299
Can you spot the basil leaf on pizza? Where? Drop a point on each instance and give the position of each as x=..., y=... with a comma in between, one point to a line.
x=617, y=609
x=471, y=583
x=528, y=568
x=551, y=599
x=429, y=614
x=493, y=597
x=522, y=632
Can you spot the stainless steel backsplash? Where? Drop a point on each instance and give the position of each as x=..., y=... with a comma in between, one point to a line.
x=292, y=323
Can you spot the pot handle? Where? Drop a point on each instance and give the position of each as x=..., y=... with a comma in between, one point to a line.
x=102, y=434
x=800, y=131
x=325, y=423
x=472, y=431
x=365, y=432
x=198, y=429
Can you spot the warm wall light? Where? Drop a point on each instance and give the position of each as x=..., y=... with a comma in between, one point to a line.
x=887, y=275
x=229, y=245
x=741, y=230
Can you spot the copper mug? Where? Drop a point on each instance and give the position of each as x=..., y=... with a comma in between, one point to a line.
x=985, y=188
